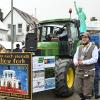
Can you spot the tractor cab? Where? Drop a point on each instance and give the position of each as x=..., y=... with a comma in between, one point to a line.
x=58, y=37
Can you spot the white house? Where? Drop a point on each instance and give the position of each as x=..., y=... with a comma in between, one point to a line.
x=93, y=26
x=3, y=32
x=22, y=23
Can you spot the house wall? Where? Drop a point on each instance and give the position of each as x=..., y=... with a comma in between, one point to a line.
x=3, y=35
x=17, y=19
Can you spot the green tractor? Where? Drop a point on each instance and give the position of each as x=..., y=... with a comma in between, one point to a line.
x=59, y=38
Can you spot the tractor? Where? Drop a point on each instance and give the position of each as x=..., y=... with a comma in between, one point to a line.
x=56, y=38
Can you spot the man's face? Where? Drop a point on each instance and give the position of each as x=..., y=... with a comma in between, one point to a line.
x=85, y=39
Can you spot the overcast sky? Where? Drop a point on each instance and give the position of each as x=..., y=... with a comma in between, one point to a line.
x=50, y=9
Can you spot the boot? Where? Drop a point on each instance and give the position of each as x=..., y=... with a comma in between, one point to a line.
x=97, y=96
x=83, y=99
x=87, y=98
x=82, y=96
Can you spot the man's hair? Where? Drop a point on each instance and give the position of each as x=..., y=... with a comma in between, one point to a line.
x=85, y=34
x=17, y=45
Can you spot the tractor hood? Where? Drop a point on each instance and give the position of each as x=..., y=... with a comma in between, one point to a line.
x=48, y=48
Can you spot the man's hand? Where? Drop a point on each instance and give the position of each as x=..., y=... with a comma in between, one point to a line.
x=80, y=62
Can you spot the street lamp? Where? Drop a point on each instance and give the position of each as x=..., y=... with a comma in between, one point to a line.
x=70, y=11
x=12, y=32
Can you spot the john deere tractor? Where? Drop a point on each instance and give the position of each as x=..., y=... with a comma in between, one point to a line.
x=58, y=38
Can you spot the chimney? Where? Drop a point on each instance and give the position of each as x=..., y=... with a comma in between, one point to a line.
x=1, y=15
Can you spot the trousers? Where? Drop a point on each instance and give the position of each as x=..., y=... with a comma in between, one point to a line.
x=84, y=84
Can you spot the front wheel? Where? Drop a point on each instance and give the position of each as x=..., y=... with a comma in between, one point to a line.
x=65, y=74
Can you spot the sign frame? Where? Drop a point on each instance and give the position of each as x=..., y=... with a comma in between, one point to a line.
x=21, y=62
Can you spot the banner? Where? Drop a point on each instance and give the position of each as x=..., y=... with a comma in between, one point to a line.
x=16, y=75
x=43, y=73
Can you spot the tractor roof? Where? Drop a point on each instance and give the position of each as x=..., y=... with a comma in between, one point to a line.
x=56, y=21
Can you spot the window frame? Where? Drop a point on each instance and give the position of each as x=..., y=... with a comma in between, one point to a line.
x=20, y=28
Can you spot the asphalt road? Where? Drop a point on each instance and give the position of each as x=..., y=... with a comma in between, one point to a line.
x=49, y=95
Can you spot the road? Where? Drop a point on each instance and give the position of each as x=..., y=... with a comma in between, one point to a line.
x=49, y=95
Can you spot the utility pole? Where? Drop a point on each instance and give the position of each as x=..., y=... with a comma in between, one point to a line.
x=35, y=13
x=12, y=32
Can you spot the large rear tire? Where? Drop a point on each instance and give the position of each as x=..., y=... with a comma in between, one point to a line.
x=65, y=74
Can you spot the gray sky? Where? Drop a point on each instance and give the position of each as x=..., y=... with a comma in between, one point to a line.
x=50, y=9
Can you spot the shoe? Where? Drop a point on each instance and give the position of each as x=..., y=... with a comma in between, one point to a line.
x=87, y=98
x=83, y=99
x=97, y=96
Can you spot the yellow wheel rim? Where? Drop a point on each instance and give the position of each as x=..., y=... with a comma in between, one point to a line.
x=70, y=77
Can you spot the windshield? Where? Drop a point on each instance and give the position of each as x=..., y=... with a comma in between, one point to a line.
x=47, y=32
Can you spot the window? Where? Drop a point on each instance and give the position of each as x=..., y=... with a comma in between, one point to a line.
x=1, y=39
x=9, y=26
x=19, y=28
x=74, y=32
x=28, y=28
x=43, y=34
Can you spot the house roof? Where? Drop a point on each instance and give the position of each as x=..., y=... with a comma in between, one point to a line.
x=28, y=18
x=2, y=26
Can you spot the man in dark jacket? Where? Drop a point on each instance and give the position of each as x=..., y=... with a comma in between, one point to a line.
x=17, y=48
x=97, y=77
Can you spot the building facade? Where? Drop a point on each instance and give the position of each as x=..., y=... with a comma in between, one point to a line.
x=22, y=24
x=3, y=32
